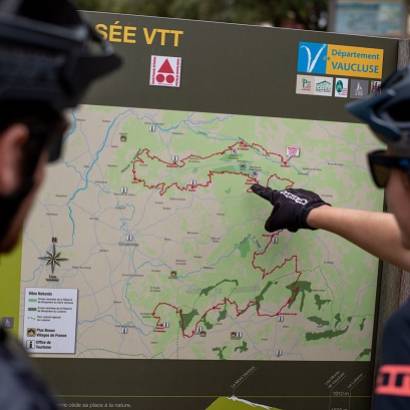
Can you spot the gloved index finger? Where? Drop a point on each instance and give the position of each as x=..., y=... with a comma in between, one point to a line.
x=263, y=192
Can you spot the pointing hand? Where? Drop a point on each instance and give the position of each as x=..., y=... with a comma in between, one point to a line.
x=290, y=207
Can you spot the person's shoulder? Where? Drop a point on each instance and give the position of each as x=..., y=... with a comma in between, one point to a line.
x=396, y=337
x=400, y=320
x=20, y=387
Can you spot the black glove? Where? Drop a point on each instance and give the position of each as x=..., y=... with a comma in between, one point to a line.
x=290, y=207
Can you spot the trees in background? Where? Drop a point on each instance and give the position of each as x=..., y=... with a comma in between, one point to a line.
x=308, y=14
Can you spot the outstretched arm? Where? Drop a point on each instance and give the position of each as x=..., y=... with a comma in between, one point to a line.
x=375, y=232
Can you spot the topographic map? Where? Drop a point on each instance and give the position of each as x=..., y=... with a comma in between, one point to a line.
x=151, y=218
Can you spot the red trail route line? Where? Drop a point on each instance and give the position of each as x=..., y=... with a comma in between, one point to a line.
x=238, y=311
x=263, y=252
x=163, y=187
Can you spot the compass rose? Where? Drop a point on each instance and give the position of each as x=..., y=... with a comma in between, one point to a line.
x=53, y=258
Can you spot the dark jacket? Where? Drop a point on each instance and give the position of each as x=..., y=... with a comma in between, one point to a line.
x=393, y=381
x=20, y=387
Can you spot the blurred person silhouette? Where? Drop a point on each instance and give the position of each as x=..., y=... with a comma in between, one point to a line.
x=48, y=57
x=385, y=235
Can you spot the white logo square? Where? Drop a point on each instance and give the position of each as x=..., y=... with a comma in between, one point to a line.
x=342, y=87
x=165, y=71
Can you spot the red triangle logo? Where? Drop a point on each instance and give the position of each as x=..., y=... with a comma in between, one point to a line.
x=166, y=68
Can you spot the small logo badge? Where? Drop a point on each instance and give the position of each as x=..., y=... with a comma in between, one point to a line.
x=359, y=88
x=312, y=58
x=165, y=71
x=324, y=86
x=341, y=87
x=375, y=87
x=305, y=84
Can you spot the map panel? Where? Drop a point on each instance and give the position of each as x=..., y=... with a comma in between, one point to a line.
x=150, y=216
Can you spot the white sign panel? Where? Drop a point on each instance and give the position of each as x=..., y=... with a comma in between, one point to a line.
x=50, y=320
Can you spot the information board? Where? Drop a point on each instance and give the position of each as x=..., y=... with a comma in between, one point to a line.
x=370, y=17
x=147, y=279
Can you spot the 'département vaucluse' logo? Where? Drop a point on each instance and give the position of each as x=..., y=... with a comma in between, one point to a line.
x=312, y=58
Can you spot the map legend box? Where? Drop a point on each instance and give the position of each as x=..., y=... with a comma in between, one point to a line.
x=50, y=320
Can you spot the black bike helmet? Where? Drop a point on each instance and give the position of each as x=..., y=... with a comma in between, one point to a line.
x=388, y=113
x=48, y=57
x=48, y=53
